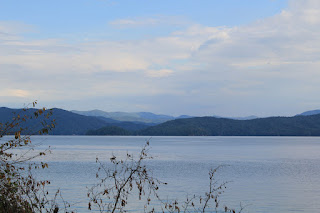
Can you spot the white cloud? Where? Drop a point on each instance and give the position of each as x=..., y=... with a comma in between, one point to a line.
x=149, y=21
x=159, y=73
x=15, y=93
x=260, y=67
x=136, y=22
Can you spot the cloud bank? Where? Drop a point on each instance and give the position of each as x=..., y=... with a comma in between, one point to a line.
x=267, y=67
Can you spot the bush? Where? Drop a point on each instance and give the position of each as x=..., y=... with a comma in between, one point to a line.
x=130, y=177
x=19, y=191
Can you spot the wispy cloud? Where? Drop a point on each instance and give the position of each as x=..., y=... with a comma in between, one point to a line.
x=15, y=93
x=260, y=67
x=149, y=21
x=159, y=73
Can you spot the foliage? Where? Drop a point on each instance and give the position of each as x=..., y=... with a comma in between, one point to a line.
x=209, y=202
x=131, y=178
x=19, y=191
x=112, y=192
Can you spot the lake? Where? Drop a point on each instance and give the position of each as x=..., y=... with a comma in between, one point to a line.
x=265, y=174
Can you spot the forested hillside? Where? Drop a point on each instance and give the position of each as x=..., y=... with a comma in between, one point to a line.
x=68, y=123
x=210, y=126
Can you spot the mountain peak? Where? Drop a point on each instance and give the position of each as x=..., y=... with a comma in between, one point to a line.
x=311, y=112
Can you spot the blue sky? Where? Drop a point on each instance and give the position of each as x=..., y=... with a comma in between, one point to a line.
x=228, y=58
x=93, y=19
x=79, y=16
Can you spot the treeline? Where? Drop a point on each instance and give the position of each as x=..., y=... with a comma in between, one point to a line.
x=210, y=126
x=110, y=130
x=68, y=123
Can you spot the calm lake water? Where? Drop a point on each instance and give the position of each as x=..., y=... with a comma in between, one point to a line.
x=266, y=174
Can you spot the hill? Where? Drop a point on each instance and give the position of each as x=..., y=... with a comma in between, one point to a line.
x=145, y=117
x=69, y=123
x=311, y=112
x=211, y=126
x=109, y=130
x=238, y=118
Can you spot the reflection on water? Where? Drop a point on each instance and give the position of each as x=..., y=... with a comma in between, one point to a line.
x=270, y=174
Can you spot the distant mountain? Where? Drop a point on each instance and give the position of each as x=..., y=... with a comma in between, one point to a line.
x=155, y=117
x=245, y=118
x=312, y=112
x=146, y=117
x=69, y=123
x=238, y=118
x=184, y=116
x=95, y=112
x=211, y=126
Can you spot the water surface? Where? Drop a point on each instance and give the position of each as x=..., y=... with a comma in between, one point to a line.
x=269, y=174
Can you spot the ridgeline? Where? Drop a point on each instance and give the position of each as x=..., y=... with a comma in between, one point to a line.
x=210, y=126
x=69, y=123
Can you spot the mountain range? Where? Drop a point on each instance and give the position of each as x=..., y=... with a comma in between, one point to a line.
x=145, y=117
x=98, y=122
x=211, y=126
x=68, y=123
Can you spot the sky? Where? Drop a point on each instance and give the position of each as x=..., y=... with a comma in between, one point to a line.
x=208, y=57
